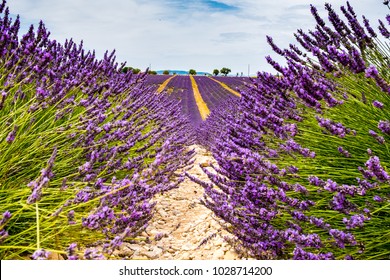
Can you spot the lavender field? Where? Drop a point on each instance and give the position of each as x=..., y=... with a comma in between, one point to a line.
x=179, y=87
x=300, y=159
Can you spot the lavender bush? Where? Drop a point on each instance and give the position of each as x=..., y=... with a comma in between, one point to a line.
x=303, y=159
x=84, y=146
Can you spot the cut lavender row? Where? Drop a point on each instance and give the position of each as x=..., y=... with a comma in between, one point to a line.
x=212, y=93
x=236, y=83
x=180, y=89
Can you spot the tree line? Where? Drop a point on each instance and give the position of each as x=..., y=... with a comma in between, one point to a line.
x=223, y=71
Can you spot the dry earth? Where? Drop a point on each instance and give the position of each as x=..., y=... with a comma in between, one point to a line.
x=185, y=225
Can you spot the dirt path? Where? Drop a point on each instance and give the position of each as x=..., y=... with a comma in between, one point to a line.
x=184, y=224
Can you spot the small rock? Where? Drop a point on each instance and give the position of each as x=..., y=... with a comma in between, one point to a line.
x=230, y=256
x=225, y=248
x=156, y=253
x=55, y=256
x=218, y=242
x=175, y=248
x=185, y=256
x=141, y=258
x=162, y=213
x=171, y=250
x=125, y=252
x=186, y=247
x=135, y=247
x=218, y=254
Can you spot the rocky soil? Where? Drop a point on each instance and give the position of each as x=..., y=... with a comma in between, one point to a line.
x=189, y=230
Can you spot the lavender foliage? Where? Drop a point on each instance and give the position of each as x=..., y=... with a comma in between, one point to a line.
x=314, y=115
x=105, y=136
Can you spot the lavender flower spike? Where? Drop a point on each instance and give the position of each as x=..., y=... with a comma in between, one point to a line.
x=40, y=254
x=377, y=104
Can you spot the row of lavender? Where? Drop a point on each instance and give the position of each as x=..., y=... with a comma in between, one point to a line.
x=236, y=83
x=303, y=156
x=213, y=93
x=180, y=88
x=84, y=148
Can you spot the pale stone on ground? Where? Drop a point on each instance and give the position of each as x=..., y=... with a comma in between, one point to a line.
x=185, y=222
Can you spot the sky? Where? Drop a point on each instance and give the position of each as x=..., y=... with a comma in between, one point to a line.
x=182, y=35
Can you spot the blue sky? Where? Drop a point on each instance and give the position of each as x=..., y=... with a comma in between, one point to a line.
x=176, y=34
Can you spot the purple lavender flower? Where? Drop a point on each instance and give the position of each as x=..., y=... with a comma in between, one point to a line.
x=3, y=235
x=11, y=136
x=93, y=254
x=377, y=104
x=71, y=252
x=356, y=221
x=300, y=254
x=344, y=152
x=71, y=220
x=40, y=254
x=383, y=30
x=160, y=236
x=372, y=72
x=341, y=204
x=43, y=180
x=366, y=173
x=6, y=216
x=368, y=27
x=274, y=47
x=381, y=140
x=334, y=128
x=116, y=242
x=342, y=238
x=315, y=181
x=377, y=198
x=319, y=222
x=331, y=186
x=378, y=138
x=384, y=126
x=293, y=169
x=373, y=165
x=41, y=93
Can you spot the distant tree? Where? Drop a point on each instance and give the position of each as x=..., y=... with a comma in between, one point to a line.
x=135, y=70
x=225, y=71
x=151, y=72
x=166, y=72
x=215, y=72
x=126, y=69
x=192, y=72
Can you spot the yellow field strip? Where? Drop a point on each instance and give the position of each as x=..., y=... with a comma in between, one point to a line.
x=164, y=84
x=226, y=87
x=202, y=106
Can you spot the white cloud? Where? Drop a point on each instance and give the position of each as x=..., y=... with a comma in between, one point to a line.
x=176, y=34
